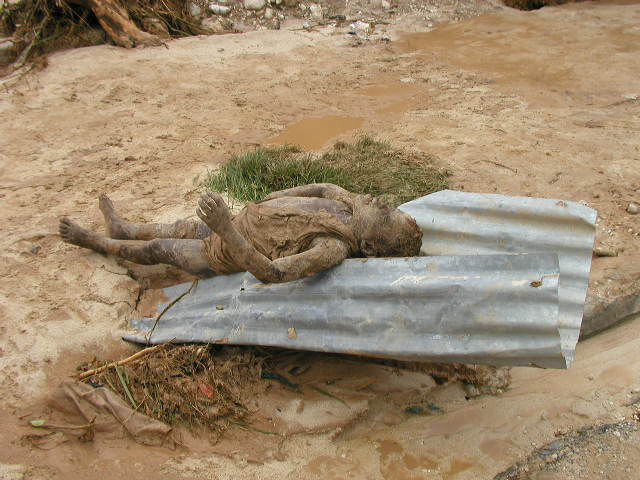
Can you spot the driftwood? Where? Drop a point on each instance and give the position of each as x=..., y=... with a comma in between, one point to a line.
x=135, y=356
x=118, y=25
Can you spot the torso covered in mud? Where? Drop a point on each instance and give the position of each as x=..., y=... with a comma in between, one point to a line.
x=283, y=227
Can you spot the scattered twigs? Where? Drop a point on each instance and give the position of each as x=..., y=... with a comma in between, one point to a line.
x=251, y=427
x=132, y=358
x=68, y=427
x=329, y=394
x=176, y=300
x=87, y=436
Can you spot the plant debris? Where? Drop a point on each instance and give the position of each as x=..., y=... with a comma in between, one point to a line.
x=39, y=27
x=193, y=385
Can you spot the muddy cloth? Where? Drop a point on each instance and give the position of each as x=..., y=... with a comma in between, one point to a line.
x=108, y=412
x=277, y=233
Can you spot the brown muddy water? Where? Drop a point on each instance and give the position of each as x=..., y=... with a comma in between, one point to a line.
x=315, y=132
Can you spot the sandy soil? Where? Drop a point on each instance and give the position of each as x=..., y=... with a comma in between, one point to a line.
x=543, y=103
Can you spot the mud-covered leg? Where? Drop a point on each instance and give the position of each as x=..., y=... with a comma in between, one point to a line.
x=119, y=228
x=186, y=254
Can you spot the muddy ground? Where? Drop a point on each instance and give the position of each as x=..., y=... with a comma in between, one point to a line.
x=543, y=103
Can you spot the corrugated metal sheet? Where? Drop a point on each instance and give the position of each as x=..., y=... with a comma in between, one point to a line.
x=492, y=309
x=459, y=223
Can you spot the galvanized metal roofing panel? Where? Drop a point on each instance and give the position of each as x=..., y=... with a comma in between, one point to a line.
x=491, y=309
x=460, y=223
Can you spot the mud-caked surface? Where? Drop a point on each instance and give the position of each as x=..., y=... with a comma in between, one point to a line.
x=541, y=103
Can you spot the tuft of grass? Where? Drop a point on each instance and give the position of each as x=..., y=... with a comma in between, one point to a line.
x=367, y=166
x=252, y=176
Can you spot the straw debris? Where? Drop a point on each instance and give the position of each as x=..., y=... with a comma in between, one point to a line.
x=197, y=386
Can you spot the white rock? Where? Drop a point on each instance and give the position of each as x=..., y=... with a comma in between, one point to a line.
x=195, y=10
x=360, y=27
x=316, y=11
x=216, y=25
x=386, y=5
x=268, y=13
x=219, y=9
x=254, y=4
x=633, y=208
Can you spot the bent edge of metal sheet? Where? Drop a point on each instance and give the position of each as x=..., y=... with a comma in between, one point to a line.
x=485, y=309
x=461, y=223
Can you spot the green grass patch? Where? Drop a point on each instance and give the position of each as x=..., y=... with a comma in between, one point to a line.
x=365, y=166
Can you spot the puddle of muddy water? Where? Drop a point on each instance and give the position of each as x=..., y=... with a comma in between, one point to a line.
x=527, y=53
x=313, y=133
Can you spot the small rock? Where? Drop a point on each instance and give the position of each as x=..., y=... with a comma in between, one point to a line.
x=605, y=252
x=385, y=4
x=219, y=307
x=195, y=10
x=551, y=448
x=471, y=390
x=217, y=25
x=360, y=28
x=633, y=208
x=268, y=13
x=316, y=11
x=306, y=25
x=254, y=4
x=219, y=9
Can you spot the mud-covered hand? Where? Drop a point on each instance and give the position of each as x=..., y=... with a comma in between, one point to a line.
x=213, y=210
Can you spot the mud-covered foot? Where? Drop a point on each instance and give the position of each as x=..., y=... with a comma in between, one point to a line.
x=213, y=210
x=73, y=233
x=116, y=227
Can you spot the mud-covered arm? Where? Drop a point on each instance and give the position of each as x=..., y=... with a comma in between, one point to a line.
x=325, y=252
x=320, y=190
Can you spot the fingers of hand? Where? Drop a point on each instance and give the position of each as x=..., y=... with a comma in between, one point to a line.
x=213, y=201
